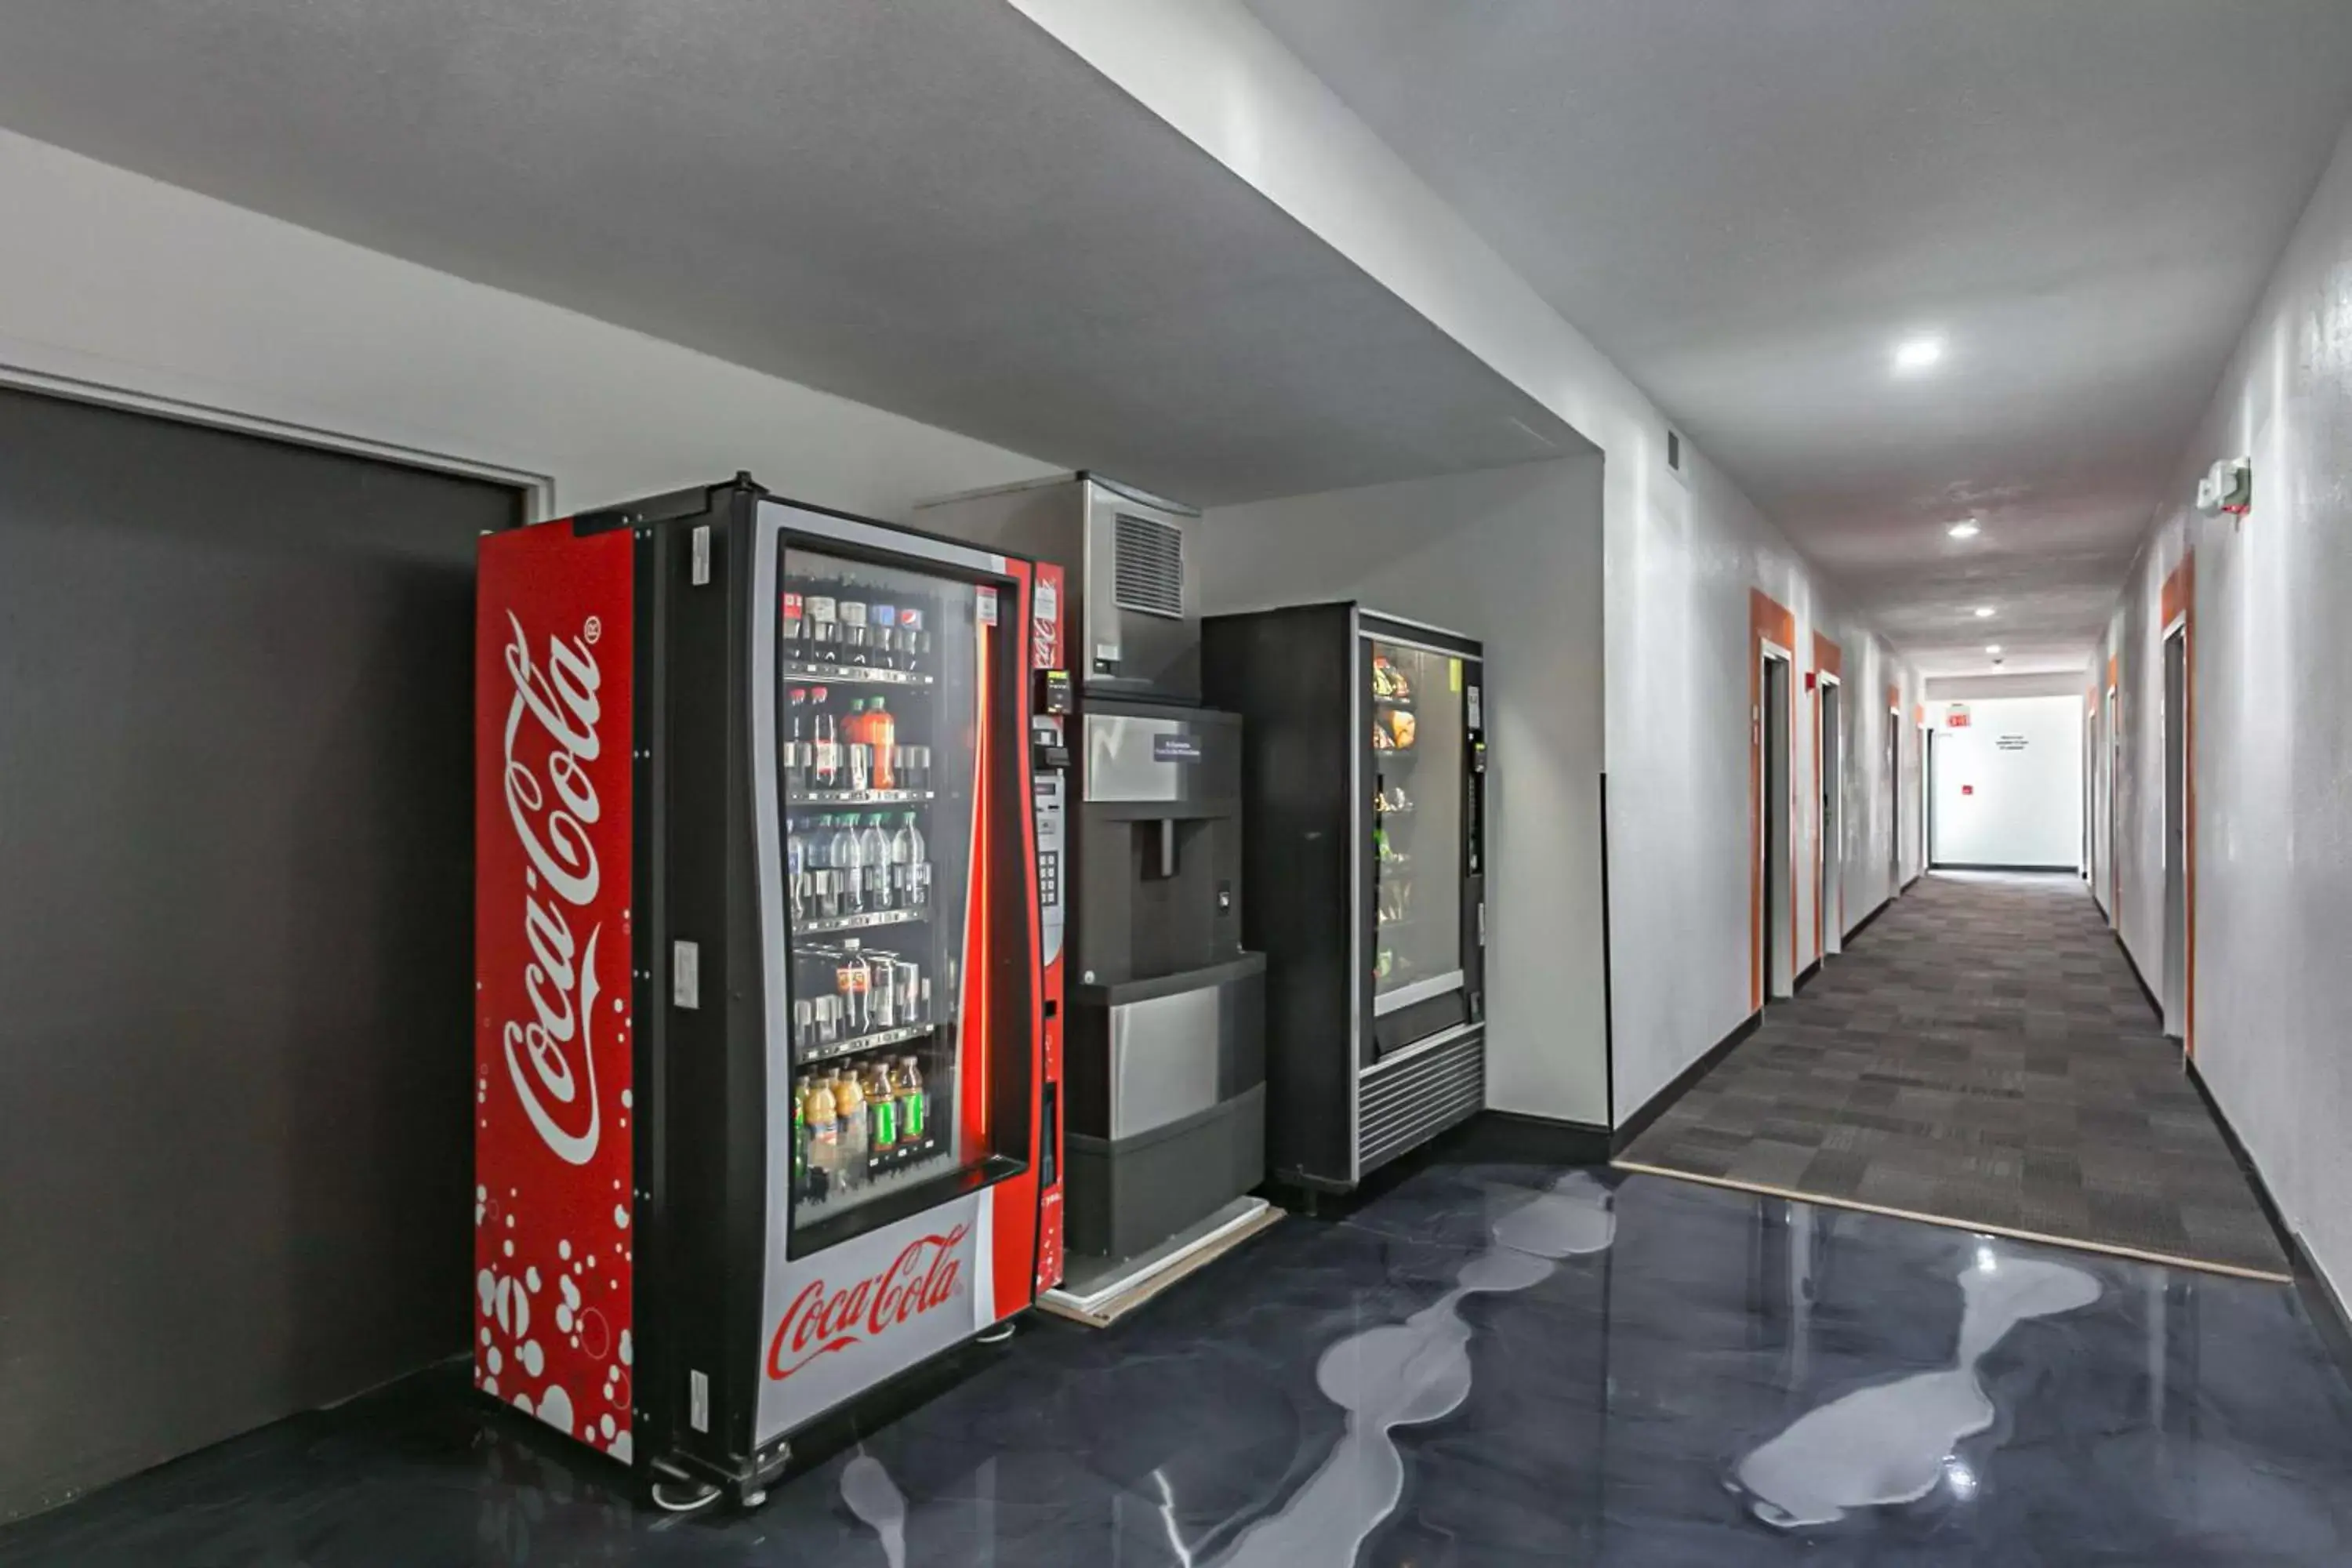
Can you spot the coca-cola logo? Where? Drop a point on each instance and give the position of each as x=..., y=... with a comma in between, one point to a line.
x=550, y=741
x=926, y=1272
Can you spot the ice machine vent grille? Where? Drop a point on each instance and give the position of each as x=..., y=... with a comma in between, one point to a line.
x=1413, y=1102
x=1150, y=567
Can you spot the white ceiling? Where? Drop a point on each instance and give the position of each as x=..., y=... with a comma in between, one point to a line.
x=933, y=207
x=1745, y=203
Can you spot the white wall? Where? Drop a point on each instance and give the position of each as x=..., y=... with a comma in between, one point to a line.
x=1511, y=556
x=1680, y=554
x=2272, y=715
x=2009, y=783
x=113, y=280
x=1680, y=568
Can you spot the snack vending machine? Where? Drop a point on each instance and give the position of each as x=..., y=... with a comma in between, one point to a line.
x=1364, y=848
x=768, y=1065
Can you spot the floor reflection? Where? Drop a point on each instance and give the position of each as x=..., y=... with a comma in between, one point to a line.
x=1488, y=1363
x=1894, y=1442
x=1407, y=1374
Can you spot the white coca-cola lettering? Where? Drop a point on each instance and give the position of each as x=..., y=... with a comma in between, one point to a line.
x=550, y=1057
x=925, y=1274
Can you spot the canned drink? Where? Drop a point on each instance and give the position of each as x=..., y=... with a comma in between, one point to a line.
x=821, y=611
x=854, y=642
x=906, y=981
x=884, y=996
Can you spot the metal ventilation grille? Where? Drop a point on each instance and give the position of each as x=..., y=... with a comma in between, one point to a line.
x=1413, y=1102
x=1149, y=567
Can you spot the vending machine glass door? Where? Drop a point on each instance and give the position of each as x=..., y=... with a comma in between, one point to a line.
x=896, y=694
x=1417, y=824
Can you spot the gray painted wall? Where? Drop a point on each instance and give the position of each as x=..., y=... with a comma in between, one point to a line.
x=236, y=918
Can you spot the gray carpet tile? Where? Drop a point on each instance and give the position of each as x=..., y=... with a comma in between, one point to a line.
x=1982, y=1054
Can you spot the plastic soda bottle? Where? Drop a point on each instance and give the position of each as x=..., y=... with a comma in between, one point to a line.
x=882, y=1101
x=913, y=1110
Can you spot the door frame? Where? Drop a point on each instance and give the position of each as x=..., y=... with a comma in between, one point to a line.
x=1828, y=777
x=2178, y=610
x=2090, y=787
x=1928, y=795
x=2115, y=740
x=1773, y=634
x=2177, y=614
x=538, y=489
x=1893, y=791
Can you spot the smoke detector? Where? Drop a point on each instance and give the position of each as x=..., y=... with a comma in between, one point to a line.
x=2228, y=486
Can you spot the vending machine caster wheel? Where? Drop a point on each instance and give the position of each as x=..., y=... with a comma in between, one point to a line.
x=996, y=1333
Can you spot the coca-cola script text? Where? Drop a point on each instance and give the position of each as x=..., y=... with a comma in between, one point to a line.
x=551, y=801
x=926, y=1274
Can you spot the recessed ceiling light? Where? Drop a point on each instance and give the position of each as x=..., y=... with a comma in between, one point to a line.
x=1922, y=353
x=1963, y=530
x=1993, y=647
x=1984, y=612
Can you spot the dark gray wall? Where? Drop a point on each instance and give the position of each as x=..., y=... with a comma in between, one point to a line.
x=235, y=931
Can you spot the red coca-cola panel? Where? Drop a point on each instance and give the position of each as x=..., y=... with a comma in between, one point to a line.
x=553, y=1250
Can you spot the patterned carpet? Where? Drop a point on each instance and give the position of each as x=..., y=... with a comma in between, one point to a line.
x=1982, y=1055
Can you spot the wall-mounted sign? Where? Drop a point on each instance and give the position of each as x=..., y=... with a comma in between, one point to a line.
x=2010, y=744
x=1956, y=717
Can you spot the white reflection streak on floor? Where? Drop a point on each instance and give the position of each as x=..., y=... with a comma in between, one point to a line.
x=1892, y=1442
x=1401, y=1374
x=874, y=1498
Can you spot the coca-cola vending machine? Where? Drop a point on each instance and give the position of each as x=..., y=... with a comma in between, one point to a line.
x=768, y=1061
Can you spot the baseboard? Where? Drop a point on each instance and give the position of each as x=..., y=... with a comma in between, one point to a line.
x=2321, y=1304
x=1912, y=883
x=1805, y=975
x=2132, y=963
x=1658, y=1104
x=1864, y=925
x=2001, y=866
x=1516, y=1138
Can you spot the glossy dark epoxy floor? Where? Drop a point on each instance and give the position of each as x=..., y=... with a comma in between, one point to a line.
x=1489, y=1365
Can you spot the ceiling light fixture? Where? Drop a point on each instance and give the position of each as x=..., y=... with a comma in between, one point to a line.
x=1993, y=647
x=1963, y=530
x=1915, y=355
x=1984, y=612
